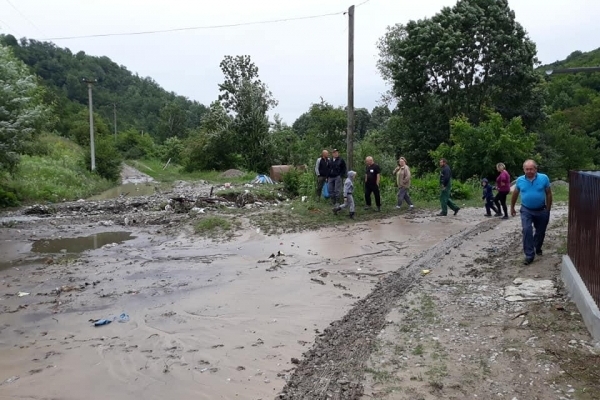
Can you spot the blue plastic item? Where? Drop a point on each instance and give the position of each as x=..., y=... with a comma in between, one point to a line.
x=325, y=191
x=101, y=322
x=123, y=317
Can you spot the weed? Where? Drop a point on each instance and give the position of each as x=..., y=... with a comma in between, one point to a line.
x=173, y=172
x=379, y=375
x=418, y=350
x=212, y=225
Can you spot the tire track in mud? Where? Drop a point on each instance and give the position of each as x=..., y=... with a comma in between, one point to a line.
x=334, y=367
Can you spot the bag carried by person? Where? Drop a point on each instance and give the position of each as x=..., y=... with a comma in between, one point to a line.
x=325, y=191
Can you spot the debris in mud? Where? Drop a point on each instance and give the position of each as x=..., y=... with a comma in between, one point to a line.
x=529, y=289
x=10, y=380
x=340, y=286
x=216, y=346
x=240, y=368
x=295, y=361
x=315, y=280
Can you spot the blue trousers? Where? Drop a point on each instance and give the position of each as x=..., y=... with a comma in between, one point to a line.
x=530, y=220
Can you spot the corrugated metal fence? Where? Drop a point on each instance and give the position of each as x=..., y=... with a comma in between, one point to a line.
x=583, y=240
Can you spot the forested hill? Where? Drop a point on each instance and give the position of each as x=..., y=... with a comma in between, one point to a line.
x=571, y=138
x=141, y=103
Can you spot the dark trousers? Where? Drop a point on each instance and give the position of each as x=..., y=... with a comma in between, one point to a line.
x=489, y=205
x=372, y=188
x=320, y=183
x=500, y=200
x=335, y=188
x=530, y=220
x=446, y=202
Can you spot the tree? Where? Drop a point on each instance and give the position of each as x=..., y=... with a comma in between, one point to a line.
x=379, y=117
x=211, y=147
x=462, y=61
x=475, y=150
x=247, y=99
x=22, y=112
x=362, y=120
x=173, y=121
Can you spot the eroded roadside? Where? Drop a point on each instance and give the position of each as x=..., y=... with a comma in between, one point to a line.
x=462, y=332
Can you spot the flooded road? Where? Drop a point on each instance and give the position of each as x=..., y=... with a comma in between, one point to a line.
x=207, y=320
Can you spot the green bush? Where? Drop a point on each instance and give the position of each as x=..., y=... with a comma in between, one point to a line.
x=108, y=159
x=291, y=181
x=133, y=145
x=8, y=198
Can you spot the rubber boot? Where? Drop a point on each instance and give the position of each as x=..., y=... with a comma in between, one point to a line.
x=351, y=215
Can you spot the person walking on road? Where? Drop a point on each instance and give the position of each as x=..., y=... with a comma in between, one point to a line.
x=536, y=202
x=337, y=170
x=402, y=173
x=372, y=177
x=503, y=187
x=322, y=171
x=348, y=196
x=446, y=188
x=488, y=197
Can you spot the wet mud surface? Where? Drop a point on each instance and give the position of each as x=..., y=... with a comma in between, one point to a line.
x=208, y=319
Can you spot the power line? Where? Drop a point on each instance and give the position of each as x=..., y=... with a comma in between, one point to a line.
x=11, y=29
x=201, y=27
x=25, y=17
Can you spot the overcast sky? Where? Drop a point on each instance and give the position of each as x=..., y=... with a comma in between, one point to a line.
x=299, y=60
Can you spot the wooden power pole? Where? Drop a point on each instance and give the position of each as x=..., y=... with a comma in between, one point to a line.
x=350, y=108
x=90, y=83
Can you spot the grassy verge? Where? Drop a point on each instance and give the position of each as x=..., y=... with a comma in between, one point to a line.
x=58, y=173
x=174, y=172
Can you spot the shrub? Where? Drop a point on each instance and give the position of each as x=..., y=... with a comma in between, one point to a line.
x=291, y=181
x=108, y=159
x=8, y=198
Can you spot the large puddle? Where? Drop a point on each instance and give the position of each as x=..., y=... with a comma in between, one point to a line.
x=207, y=320
x=79, y=244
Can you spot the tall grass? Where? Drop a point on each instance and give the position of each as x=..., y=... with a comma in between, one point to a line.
x=55, y=172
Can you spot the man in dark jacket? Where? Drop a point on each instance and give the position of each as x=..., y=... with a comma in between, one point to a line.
x=337, y=170
x=322, y=171
x=446, y=188
x=372, y=178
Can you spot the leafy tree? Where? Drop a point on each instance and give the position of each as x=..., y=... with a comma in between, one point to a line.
x=379, y=117
x=248, y=100
x=211, y=147
x=133, y=145
x=362, y=120
x=172, y=122
x=475, y=150
x=108, y=159
x=462, y=61
x=79, y=128
x=327, y=127
x=22, y=112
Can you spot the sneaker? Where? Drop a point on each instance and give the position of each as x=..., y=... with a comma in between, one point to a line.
x=440, y=215
x=336, y=209
x=505, y=217
x=487, y=215
x=351, y=215
x=527, y=261
x=398, y=207
x=411, y=207
x=498, y=214
x=456, y=211
x=539, y=252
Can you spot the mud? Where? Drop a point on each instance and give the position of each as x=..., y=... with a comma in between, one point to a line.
x=207, y=319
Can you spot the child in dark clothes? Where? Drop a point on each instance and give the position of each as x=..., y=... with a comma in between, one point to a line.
x=488, y=196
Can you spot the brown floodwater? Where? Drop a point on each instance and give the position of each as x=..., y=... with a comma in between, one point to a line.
x=207, y=320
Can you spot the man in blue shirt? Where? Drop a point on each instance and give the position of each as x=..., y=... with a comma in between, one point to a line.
x=536, y=202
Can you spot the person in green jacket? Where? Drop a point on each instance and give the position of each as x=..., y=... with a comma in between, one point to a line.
x=446, y=188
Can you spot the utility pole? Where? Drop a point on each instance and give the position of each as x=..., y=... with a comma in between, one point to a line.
x=90, y=83
x=115, y=116
x=350, y=132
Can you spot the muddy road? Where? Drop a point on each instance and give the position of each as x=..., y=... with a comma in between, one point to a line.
x=292, y=316
x=206, y=319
